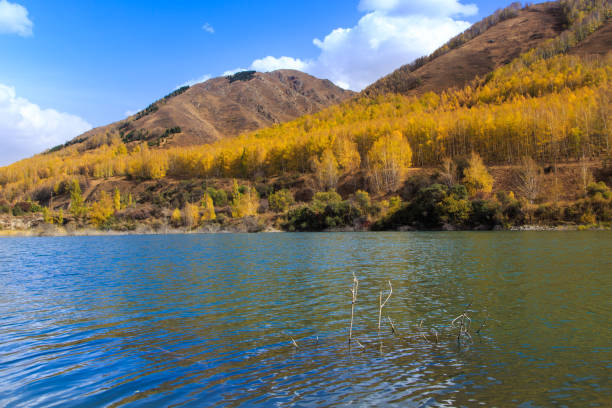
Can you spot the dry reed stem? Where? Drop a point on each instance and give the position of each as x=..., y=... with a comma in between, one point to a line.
x=421, y=331
x=393, y=329
x=382, y=304
x=464, y=324
x=354, y=293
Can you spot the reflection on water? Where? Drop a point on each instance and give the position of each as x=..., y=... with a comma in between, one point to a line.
x=206, y=320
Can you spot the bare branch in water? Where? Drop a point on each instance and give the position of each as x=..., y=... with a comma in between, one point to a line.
x=393, y=329
x=354, y=293
x=463, y=323
x=421, y=331
x=382, y=304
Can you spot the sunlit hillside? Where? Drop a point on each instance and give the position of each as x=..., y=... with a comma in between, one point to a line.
x=546, y=105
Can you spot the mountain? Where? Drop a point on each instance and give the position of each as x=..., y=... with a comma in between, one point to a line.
x=223, y=107
x=488, y=44
x=519, y=142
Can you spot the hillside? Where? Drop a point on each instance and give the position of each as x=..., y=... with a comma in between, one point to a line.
x=597, y=44
x=224, y=107
x=520, y=145
x=497, y=41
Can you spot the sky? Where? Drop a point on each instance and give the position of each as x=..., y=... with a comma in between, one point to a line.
x=68, y=66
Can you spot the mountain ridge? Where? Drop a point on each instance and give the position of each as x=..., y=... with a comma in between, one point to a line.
x=222, y=107
x=457, y=63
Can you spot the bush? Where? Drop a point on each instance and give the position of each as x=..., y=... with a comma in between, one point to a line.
x=219, y=197
x=363, y=201
x=326, y=211
x=17, y=211
x=5, y=207
x=280, y=201
x=599, y=188
x=485, y=213
x=323, y=199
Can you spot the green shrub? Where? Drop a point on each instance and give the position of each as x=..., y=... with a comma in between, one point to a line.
x=485, y=213
x=599, y=188
x=280, y=201
x=363, y=201
x=219, y=197
x=326, y=211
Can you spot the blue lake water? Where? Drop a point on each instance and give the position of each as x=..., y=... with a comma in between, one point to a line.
x=207, y=320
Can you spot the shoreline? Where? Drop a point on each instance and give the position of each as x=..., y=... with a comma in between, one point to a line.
x=62, y=232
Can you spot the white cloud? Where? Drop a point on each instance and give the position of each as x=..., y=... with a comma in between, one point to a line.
x=233, y=71
x=208, y=28
x=391, y=34
x=26, y=129
x=14, y=19
x=272, y=64
x=192, y=82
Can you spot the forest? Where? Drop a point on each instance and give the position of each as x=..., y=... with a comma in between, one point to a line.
x=546, y=107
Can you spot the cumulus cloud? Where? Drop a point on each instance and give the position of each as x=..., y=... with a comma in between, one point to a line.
x=26, y=129
x=391, y=33
x=192, y=82
x=208, y=28
x=272, y=64
x=14, y=19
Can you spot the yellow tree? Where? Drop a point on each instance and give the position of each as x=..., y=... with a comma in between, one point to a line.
x=77, y=203
x=101, y=210
x=192, y=215
x=176, y=218
x=117, y=200
x=208, y=208
x=244, y=204
x=388, y=160
x=326, y=170
x=476, y=177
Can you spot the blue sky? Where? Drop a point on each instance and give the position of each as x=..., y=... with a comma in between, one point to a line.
x=87, y=63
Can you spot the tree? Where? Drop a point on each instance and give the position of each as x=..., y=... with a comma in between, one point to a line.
x=47, y=217
x=529, y=179
x=101, y=210
x=448, y=172
x=476, y=177
x=244, y=204
x=117, y=200
x=326, y=170
x=208, y=208
x=192, y=215
x=60, y=217
x=585, y=176
x=388, y=160
x=363, y=201
x=176, y=218
x=280, y=201
x=77, y=204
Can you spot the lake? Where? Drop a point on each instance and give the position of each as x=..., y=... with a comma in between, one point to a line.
x=208, y=320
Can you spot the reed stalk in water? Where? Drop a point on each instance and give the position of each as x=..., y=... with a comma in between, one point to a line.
x=354, y=293
x=463, y=323
x=382, y=304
